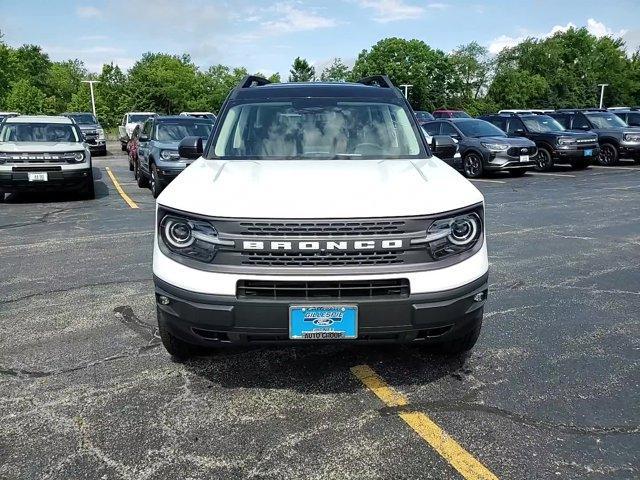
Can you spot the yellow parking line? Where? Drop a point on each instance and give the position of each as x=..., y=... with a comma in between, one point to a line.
x=637, y=169
x=552, y=174
x=485, y=180
x=465, y=463
x=124, y=196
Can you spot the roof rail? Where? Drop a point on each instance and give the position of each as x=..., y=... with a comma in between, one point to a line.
x=253, y=81
x=594, y=109
x=379, y=80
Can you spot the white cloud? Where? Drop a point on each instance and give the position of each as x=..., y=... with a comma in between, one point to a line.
x=291, y=19
x=438, y=6
x=393, y=10
x=88, y=12
x=593, y=27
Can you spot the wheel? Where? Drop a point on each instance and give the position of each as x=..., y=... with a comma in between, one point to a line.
x=608, y=154
x=580, y=164
x=472, y=165
x=130, y=164
x=123, y=146
x=544, y=161
x=518, y=173
x=177, y=348
x=462, y=344
x=2, y=195
x=156, y=186
x=142, y=180
x=89, y=190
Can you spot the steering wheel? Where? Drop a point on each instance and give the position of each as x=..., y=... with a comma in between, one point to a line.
x=368, y=146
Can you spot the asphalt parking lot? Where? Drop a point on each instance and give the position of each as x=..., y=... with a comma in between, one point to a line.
x=550, y=391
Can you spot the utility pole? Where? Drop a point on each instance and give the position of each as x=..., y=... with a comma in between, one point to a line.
x=93, y=99
x=406, y=90
x=602, y=85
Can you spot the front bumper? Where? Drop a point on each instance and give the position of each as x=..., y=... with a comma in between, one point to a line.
x=576, y=153
x=167, y=174
x=99, y=147
x=210, y=320
x=507, y=162
x=629, y=150
x=18, y=181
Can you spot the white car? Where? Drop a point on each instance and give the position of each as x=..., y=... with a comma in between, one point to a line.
x=318, y=213
x=44, y=153
x=128, y=124
x=207, y=115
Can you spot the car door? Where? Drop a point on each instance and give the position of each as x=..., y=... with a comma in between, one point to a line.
x=143, y=146
x=515, y=127
x=580, y=122
x=447, y=129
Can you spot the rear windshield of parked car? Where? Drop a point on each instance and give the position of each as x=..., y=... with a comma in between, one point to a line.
x=38, y=132
x=542, y=124
x=139, y=118
x=479, y=128
x=84, y=119
x=322, y=128
x=460, y=115
x=176, y=131
x=605, y=120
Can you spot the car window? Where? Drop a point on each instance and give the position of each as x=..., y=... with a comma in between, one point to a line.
x=513, y=125
x=448, y=129
x=633, y=119
x=317, y=128
x=39, y=132
x=460, y=115
x=562, y=119
x=479, y=128
x=432, y=128
x=176, y=131
x=84, y=118
x=580, y=122
x=605, y=120
x=499, y=122
x=542, y=124
x=146, y=129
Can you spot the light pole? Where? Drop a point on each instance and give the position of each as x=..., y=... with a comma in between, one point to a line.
x=93, y=99
x=602, y=85
x=406, y=90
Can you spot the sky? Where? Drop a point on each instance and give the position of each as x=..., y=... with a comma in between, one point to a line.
x=266, y=36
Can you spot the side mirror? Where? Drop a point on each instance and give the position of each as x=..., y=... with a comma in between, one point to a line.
x=190, y=147
x=443, y=146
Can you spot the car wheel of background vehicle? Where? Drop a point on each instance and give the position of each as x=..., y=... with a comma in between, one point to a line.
x=2, y=195
x=580, y=164
x=142, y=180
x=518, y=173
x=608, y=154
x=123, y=146
x=462, y=344
x=177, y=348
x=156, y=187
x=130, y=164
x=472, y=165
x=544, y=161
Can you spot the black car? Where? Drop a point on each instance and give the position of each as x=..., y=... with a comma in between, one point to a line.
x=629, y=115
x=555, y=144
x=423, y=116
x=92, y=131
x=616, y=138
x=484, y=147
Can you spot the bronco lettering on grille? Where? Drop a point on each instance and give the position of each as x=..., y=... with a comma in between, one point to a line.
x=321, y=246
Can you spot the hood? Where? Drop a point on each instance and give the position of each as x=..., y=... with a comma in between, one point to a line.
x=41, y=147
x=166, y=145
x=319, y=189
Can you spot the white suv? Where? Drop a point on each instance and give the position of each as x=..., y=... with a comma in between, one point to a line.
x=318, y=213
x=44, y=153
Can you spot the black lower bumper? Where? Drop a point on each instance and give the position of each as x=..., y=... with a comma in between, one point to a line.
x=98, y=149
x=630, y=151
x=18, y=181
x=576, y=154
x=166, y=175
x=210, y=320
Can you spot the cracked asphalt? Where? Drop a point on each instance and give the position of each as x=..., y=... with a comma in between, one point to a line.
x=550, y=391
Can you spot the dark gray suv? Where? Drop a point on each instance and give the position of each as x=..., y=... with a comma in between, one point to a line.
x=158, y=161
x=92, y=131
x=484, y=147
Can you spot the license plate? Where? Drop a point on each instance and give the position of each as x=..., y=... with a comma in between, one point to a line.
x=38, y=176
x=323, y=322
x=588, y=153
x=524, y=158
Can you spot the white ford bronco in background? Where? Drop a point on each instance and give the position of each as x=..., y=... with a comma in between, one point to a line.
x=44, y=153
x=317, y=212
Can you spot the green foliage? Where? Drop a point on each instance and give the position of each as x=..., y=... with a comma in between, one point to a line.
x=301, y=71
x=336, y=72
x=26, y=98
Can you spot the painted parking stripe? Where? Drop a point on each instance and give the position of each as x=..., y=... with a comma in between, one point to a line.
x=547, y=174
x=465, y=463
x=637, y=169
x=485, y=180
x=122, y=193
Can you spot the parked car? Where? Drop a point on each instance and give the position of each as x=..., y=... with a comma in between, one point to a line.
x=526, y=111
x=443, y=113
x=555, y=143
x=157, y=161
x=4, y=115
x=208, y=115
x=616, y=138
x=315, y=214
x=44, y=153
x=447, y=151
x=423, y=116
x=92, y=131
x=631, y=116
x=484, y=147
x=129, y=122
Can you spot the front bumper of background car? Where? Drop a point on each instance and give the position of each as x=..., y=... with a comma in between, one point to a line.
x=629, y=150
x=16, y=178
x=576, y=153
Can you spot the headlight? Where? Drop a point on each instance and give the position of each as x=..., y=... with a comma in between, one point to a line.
x=566, y=141
x=632, y=137
x=169, y=155
x=100, y=134
x=452, y=235
x=495, y=147
x=78, y=157
x=196, y=239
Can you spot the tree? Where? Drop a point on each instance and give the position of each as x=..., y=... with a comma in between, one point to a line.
x=336, y=72
x=6, y=70
x=25, y=98
x=472, y=67
x=301, y=71
x=63, y=80
x=110, y=93
x=31, y=64
x=514, y=88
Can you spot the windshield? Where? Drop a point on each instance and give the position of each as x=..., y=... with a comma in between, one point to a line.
x=176, y=131
x=318, y=128
x=479, y=128
x=542, y=124
x=84, y=118
x=38, y=132
x=139, y=118
x=606, y=120
x=460, y=115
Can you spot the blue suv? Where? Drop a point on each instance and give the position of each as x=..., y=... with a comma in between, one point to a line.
x=158, y=161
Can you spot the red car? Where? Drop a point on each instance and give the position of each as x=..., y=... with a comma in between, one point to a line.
x=443, y=113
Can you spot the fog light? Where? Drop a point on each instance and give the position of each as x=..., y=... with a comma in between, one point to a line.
x=478, y=297
x=163, y=300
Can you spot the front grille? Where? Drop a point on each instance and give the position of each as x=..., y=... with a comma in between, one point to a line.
x=36, y=169
x=517, y=151
x=332, y=228
x=321, y=259
x=283, y=290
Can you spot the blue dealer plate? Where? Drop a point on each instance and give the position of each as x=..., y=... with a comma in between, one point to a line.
x=588, y=153
x=323, y=322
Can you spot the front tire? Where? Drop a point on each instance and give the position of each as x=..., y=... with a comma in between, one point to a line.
x=89, y=190
x=472, y=165
x=463, y=344
x=140, y=178
x=156, y=187
x=544, y=160
x=608, y=155
x=130, y=164
x=2, y=195
x=178, y=349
